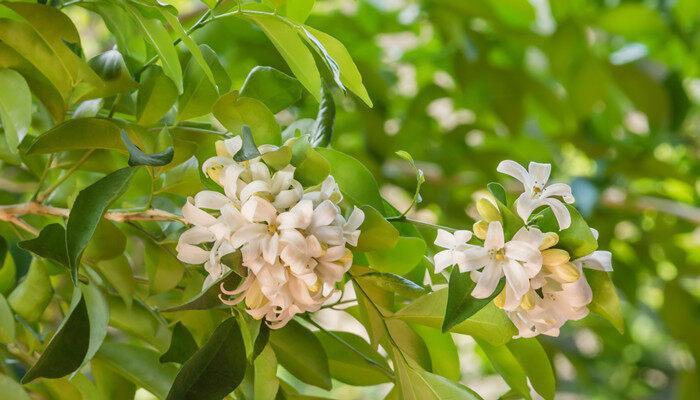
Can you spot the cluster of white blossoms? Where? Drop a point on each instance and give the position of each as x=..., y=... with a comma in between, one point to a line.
x=293, y=242
x=544, y=287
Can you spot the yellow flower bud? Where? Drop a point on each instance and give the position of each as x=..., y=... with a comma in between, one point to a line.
x=221, y=150
x=554, y=257
x=487, y=210
x=528, y=301
x=567, y=272
x=500, y=299
x=550, y=240
x=480, y=228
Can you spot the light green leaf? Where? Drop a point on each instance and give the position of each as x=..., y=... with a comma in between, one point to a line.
x=605, y=301
x=153, y=30
x=301, y=353
x=89, y=206
x=83, y=133
x=138, y=321
x=401, y=258
x=265, y=383
x=490, y=323
x=274, y=88
x=352, y=360
x=108, y=242
x=8, y=271
x=349, y=74
x=354, y=179
x=7, y=322
x=12, y=390
x=15, y=107
x=139, y=365
x=444, y=355
x=110, y=384
x=505, y=363
x=30, y=298
x=298, y=10
x=156, y=96
x=292, y=49
x=197, y=55
x=234, y=111
x=533, y=359
x=393, y=283
x=199, y=94
x=163, y=268
x=376, y=233
x=214, y=370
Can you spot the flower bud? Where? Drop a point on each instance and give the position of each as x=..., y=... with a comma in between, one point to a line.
x=550, y=240
x=221, y=150
x=554, y=257
x=487, y=210
x=480, y=228
x=567, y=272
x=528, y=301
x=500, y=299
x=214, y=172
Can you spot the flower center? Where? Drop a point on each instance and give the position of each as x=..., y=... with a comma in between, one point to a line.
x=271, y=228
x=536, y=190
x=498, y=254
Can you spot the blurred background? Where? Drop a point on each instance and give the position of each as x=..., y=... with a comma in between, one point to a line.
x=607, y=91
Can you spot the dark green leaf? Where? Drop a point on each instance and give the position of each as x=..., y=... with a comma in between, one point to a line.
x=261, y=340
x=216, y=369
x=460, y=303
x=182, y=345
x=274, y=88
x=301, y=353
x=138, y=157
x=325, y=119
x=51, y=244
x=89, y=206
x=249, y=149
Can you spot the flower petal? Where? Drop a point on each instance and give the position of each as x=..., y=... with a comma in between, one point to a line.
x=559, y=189
x=515, y=170
x=600, y=260
x=442, y=260
x=445, y=239
x=539, y=173
x=487, y=282
x=210, y=199
x=561, y=213
x=516, y=277
x=494, y=236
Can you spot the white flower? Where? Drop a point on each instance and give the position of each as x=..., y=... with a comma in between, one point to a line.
x=455, y=244
x=293, y=244
x=536, y=193
x=519, y=260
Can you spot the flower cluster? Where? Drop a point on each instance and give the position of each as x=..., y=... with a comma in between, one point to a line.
x=293, y=243
x=544, y=287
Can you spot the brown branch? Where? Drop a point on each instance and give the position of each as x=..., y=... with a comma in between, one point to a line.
x=11, y=212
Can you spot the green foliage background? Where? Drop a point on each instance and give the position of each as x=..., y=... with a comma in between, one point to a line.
x=607, y=91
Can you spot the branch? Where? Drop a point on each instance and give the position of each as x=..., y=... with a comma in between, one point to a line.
x=644, y=203
x=11, y=212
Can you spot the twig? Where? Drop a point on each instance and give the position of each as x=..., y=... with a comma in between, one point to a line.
x=11, y=212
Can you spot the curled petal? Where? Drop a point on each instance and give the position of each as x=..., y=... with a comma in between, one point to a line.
x=561, y=213
x=515, y=170
x=539, y=173
x=196, y=216
x=559, y=189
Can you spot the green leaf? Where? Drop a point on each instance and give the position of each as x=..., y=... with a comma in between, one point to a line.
x=110, y=385
x=418, y=384
x=162, y=266
x=577, y=239
x=51, y=244
x=444, y=355
x=354, y=179
x=490, y=323
x=278, y=159
x=15, y=107
x=191, y=45
x=43, y=36
x=313, y=169
x=82, y=133
x=323, y=128
x=498, y=192
x=30, y=298
x=292, y=49
x=632, y=20
x=249, y=149
x=298, y=10
x=605, y=301
x=216, y=369
x=460, y=303
x=138, y=321
x=12, y=390
x=274, y=88
x=209, y=298
x=139, y=365
x=138, y=157
x=108, y=242
x=111, y=68
x=505, y=363
x=78, y=337
x=8, y=271
x=265, y=382
x=234, y=111
x=352, y=360
x=349, y=74
x=394, y=283
x=301, y=353
x=156, y=96
x=401, y=258
x=182, y=345
x=199, y=94
x=153, y=30
x=117, y=272
x=533, y=359
x=7, y=322
x=511, y=222
x=88, y=208
x=376, y=233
